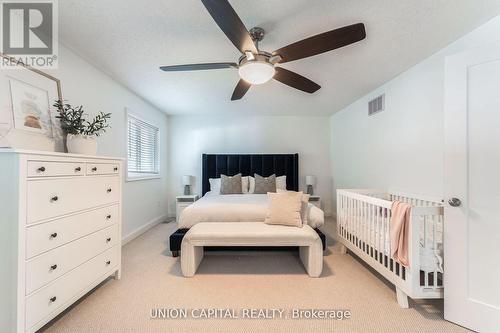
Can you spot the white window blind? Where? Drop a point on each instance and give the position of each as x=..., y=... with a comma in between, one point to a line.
x=143, y=151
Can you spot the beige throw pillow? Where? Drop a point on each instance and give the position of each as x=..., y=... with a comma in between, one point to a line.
x=304, y=211
x=284, y=209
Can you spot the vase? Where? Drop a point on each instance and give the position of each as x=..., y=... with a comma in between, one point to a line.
x=81, y=144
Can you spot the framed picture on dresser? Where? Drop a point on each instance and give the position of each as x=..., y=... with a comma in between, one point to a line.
x=27, y=117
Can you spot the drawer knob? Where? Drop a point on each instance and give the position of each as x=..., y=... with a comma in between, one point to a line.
x=54, y=198
x=41, y=169
x=94, y=169
x=108, y=190
x=115, y=169
x=108, y=217
x=53, y=267
x=54, y=235
x=108, y=262
x=53, y=299
x=78, y=169
x=108, y=239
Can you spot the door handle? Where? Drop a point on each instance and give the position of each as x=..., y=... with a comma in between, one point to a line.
x=455, y=202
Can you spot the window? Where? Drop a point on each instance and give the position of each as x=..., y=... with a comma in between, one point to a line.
x=143, y=149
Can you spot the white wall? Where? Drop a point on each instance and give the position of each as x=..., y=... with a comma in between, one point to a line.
x=143, y=201
x=191, y=136
x=83, y=84
x=401, y=147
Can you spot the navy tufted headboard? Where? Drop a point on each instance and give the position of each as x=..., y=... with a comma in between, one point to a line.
x=247, y=164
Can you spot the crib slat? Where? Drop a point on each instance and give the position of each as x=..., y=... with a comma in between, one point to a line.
x=371, y=227
x=386, y=234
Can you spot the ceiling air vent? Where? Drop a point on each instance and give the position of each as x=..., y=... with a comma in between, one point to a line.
x=376, y=105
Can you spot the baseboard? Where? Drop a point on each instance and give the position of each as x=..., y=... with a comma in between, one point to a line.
x=142, y=229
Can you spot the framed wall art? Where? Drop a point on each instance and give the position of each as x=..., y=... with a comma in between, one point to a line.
x=27, y=117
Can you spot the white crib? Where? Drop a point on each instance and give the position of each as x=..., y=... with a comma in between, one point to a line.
x=363, y=227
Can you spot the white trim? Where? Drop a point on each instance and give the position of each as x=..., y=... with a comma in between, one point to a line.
x=144, y=176
x=142, y=229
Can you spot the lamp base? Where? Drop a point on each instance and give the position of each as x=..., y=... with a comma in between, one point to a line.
x=310, y=189
x=187, y=190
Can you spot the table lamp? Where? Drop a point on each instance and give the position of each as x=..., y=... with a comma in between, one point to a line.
x=310, y=181
x=186, y=181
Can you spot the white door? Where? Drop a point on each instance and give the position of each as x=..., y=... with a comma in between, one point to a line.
x=472, y=188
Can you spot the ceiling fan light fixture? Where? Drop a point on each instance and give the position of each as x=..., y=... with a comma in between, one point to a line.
x=256, y=72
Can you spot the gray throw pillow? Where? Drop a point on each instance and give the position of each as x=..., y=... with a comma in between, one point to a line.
x=264, y=184
x=230, y=185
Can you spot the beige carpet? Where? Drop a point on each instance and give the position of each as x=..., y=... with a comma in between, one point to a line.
x=151, y=278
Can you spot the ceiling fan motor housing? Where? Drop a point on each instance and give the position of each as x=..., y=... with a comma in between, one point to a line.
x=262, y=57
x=257, y=34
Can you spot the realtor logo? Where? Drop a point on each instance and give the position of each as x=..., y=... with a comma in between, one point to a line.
x=29, y=32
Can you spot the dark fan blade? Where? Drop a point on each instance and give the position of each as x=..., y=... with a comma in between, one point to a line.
x=324, y=42
x=199, y=67
x=230, y=23
x=240, y=90
x=295, y=80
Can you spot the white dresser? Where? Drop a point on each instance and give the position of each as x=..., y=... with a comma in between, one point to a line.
x=60, y=232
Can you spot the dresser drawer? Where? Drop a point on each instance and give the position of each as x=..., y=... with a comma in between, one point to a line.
x=47, y=198
x=50, y=265
x=54, y=296
x=48, y=169
x=46, y=236
x=102, y=168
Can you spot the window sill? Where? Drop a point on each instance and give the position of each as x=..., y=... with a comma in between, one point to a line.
x=142, y=177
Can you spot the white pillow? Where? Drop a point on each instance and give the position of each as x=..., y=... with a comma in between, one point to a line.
x=215, y=184
x=251, y=184
x=244, y=184
x=280, y=184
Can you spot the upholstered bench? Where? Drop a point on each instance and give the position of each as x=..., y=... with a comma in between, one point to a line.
x=250, y=234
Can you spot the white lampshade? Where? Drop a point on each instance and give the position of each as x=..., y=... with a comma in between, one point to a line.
x=186, y=180
x=310, y=180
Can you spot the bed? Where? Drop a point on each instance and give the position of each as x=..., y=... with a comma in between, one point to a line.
x=241, y=207
x=237, y=208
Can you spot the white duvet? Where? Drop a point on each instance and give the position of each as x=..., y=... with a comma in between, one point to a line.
x=236, y=208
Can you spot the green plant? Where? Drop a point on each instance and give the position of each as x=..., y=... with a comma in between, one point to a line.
x=73, y=120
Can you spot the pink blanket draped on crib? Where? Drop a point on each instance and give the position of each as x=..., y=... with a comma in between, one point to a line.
x=400, y=232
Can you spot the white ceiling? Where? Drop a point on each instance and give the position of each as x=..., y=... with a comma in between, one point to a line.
x=130, y=39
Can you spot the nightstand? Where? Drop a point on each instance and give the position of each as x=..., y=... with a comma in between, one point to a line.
x=182, y=201
x=315, y=200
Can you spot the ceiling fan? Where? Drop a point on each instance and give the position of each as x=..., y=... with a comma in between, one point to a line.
x=256, y=66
